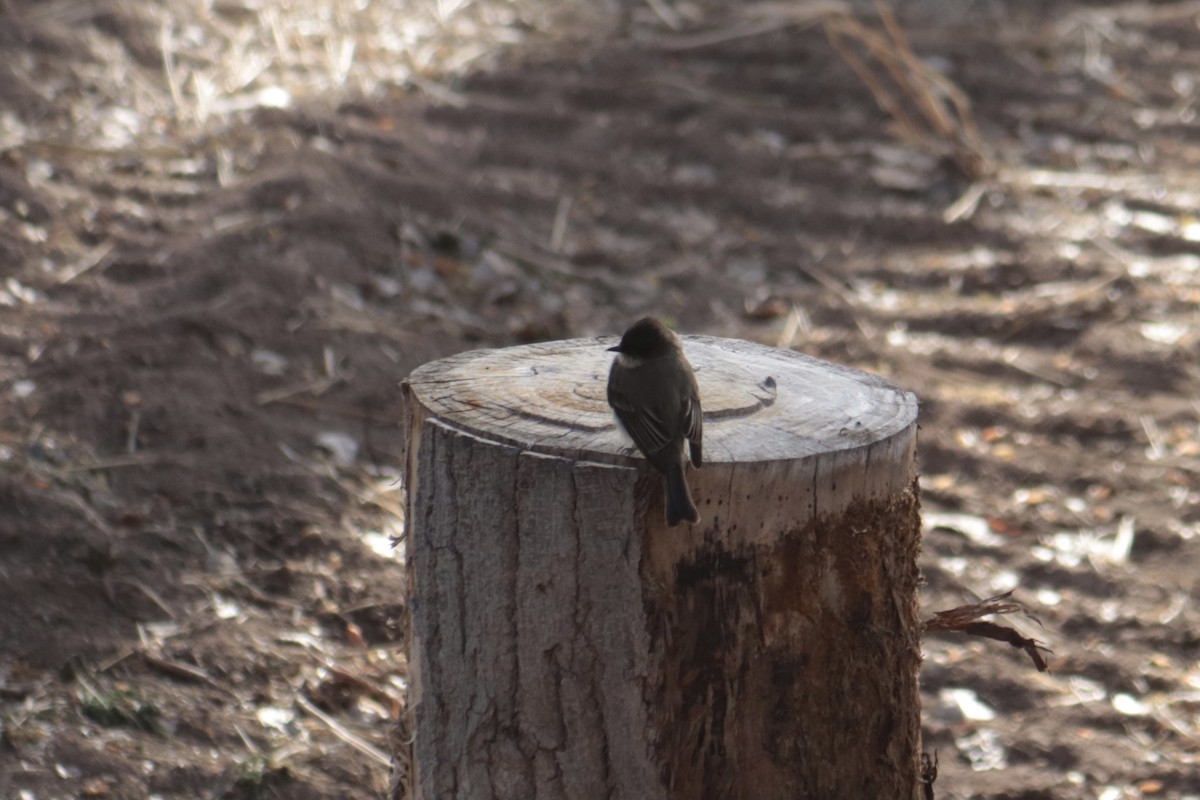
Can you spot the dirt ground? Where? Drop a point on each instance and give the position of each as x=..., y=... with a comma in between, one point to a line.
x=228, y=230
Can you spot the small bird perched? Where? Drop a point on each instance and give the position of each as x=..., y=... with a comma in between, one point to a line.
x=653, y=393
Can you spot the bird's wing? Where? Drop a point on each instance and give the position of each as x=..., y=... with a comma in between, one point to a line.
x=645, y=426
x=694, y=425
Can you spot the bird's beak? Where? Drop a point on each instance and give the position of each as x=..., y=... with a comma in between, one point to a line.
x=616, y=349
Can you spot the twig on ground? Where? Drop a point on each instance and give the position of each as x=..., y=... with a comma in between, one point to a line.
x=964, y=207
x=92, y=259
x=169, y=667
x=839, y=290
x=135, y=421
x=667, y=14
x=561, y=216
x=767, y=18
x=342, y=732
x=185, y=672
x=316, y=388
x=246, y=740
x=166, y=45
x=155, y=597
x=143, y=459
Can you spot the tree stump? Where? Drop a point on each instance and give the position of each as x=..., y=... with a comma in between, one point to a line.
x=566, y=644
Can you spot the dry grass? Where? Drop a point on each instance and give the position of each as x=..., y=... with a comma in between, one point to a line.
x=928, y=109
x=197, y=63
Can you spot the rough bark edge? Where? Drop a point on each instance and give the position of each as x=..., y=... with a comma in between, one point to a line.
x=715, y=592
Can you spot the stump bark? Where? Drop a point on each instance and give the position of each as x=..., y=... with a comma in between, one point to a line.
x=566, y=644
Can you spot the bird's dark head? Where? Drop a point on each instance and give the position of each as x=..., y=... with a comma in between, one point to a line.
x=646, y=338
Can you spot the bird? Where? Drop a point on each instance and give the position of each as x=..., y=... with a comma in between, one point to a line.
x=655, y=398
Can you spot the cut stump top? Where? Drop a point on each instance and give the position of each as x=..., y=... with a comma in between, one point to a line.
x=760, y=403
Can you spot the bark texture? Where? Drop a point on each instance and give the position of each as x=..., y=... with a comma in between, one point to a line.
x=566, y=644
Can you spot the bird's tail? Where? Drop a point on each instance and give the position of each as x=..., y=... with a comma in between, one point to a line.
x=679, y=499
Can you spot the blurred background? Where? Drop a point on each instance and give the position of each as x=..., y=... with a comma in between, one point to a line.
x=229, y=229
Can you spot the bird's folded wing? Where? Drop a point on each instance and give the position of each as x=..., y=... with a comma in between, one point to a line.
x=695, y=429
x=647, y=430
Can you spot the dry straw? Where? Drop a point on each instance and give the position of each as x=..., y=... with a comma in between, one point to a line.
x=928, y=109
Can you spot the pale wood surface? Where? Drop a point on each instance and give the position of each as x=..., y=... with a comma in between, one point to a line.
x=760, y=403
